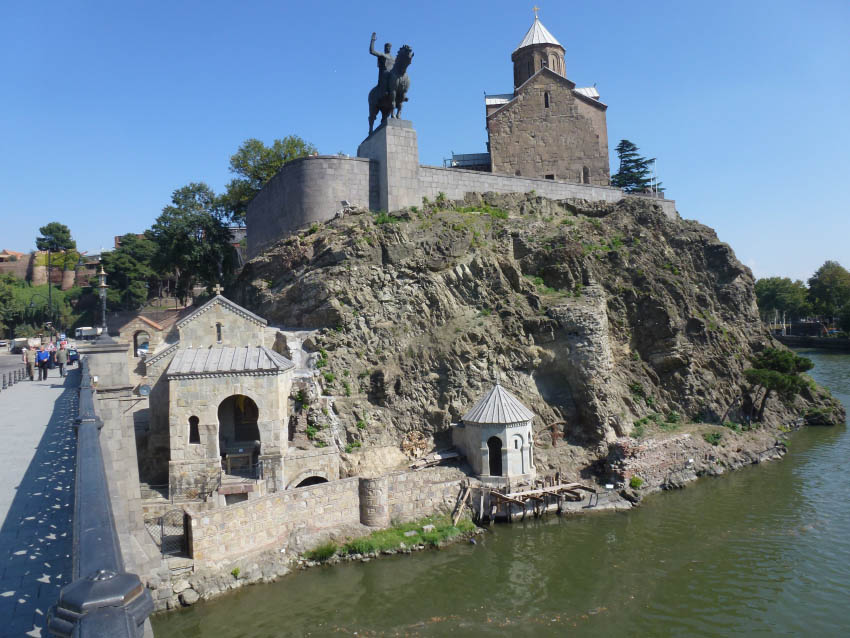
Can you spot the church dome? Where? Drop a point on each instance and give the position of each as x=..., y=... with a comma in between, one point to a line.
x=498, y=407
x=537, y=34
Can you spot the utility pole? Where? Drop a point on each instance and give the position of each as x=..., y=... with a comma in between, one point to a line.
x=102, y=285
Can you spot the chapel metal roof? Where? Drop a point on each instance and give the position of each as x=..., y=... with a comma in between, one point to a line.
x=227, y=360
x=498, y=407
x=498, y=98
x=537, y=34
x=590, y=92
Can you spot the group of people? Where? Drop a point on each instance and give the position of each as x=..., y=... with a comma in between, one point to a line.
x=42, y=357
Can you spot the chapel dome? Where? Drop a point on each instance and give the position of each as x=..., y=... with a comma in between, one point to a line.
x=538, y=34
x=498, y=407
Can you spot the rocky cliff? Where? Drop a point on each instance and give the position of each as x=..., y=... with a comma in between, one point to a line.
x=597, y=316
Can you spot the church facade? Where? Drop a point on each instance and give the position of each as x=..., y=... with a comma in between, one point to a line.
x=547, y=128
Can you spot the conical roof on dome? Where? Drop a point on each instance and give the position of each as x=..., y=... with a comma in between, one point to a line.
x=537, y=34
x=498, y=407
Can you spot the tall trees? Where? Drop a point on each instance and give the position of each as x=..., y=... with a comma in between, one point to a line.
x=256, y=164
x=829, y=289
x=780, y=294
x=55, y=237
x=131, y=272
x=191, y=239
x=634, y=175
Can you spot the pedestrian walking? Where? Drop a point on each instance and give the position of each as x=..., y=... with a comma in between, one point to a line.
x=29, y=359
x=61, y=359
x=42, y=359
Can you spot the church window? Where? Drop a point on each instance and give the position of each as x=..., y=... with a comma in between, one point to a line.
x=194, y=434
x=530, y=67
x=546, y=99
x=550, y=176
x=585, y=175
x=218, y=332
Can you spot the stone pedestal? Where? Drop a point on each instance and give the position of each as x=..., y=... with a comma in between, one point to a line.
x=394, y=152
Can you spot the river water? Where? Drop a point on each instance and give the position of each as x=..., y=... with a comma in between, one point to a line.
x=764, y=551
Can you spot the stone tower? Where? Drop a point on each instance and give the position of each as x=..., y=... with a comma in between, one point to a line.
x=547, y=128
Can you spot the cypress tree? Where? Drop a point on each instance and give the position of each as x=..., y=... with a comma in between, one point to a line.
x=634, y=173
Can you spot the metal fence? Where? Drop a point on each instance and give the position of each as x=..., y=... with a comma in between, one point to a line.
x=102, y=599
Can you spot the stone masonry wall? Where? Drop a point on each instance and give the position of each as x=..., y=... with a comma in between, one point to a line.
x=300, y=516
x=302, y=464
x=272, y=520
x=532, y=137
x=308, y=190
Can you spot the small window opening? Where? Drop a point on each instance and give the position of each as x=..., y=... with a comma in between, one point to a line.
x=516, y=444
x=550, y=176
x=530, y=67
x=546, y=99
x=218, y=332
x=194, y=434
x=585, y=175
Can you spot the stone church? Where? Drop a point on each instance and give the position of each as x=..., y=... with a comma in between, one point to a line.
x=547, y=128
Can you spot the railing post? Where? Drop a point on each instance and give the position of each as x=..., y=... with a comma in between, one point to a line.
x=103, y=599
x=4, y=380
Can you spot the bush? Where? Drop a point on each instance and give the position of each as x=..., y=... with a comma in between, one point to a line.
x=635, y=482
x=638, y=430
x=673, y=417
x=392, y=538
x=235, y=572
x=347, y=388
x=361, y=424
x=311, y=432
x=713, y=438
x=322, y=552
x=329, y=377
x=352, y=446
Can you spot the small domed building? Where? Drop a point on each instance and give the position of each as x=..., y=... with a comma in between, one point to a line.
x=496, y=438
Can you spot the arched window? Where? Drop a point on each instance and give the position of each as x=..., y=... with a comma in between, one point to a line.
x=546, y=99
x=585, y=175
x=237, y=418
x=530, y=68
x=218, y=332
x=141, y=343
x=194, y=434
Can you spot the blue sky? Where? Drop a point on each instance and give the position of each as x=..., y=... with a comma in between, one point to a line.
x=107, y=107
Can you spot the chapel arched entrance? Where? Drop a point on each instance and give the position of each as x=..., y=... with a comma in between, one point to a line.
x=141, y=343
x=494, y=446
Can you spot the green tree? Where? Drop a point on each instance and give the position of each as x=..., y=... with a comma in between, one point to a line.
x=782, y=295
x=635, y=171
x=844, y=318
x=131, y=272
x=829, y=289
x=256, y=164
x=55, y=237
x=192, y=241
x=777, y=371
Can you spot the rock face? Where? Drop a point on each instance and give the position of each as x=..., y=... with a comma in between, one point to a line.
x=595, y=315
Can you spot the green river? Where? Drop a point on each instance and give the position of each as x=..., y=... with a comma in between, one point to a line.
x=764, y=551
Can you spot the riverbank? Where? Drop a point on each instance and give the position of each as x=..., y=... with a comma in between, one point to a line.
x=666, y=456
x=750, y=546
x=824, y=343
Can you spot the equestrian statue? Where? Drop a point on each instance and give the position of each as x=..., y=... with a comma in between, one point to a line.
x=393, y=83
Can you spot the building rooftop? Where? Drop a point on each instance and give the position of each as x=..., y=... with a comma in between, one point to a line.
x=227, y=360
x=225, y=303
x=498, y=98
x=498, y=407
x=590, y=92
x=537, y=34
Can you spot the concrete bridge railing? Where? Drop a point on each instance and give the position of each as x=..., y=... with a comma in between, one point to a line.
x=103, y=599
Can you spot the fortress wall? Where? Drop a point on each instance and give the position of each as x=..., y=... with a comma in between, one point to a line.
x=271, y=520
x=304, y=516
x=455, y=183
x=413, y=495
x=308, y=190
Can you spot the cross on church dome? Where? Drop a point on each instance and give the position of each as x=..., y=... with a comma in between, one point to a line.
x=217, y=289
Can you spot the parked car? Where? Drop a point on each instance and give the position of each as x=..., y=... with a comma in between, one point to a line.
x=3, y=343
x=73, y=356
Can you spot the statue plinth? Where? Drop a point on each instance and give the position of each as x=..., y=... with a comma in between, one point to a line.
x=395, y=152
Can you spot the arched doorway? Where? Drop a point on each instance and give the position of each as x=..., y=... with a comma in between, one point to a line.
x=494, y=444
x=237, y=420
x=312, y=480
x=141, y=343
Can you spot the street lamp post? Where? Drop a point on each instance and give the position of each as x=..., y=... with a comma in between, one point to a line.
x=102, y=285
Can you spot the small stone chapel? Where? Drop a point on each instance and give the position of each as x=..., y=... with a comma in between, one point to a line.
x=495, y=435
x=227, y=401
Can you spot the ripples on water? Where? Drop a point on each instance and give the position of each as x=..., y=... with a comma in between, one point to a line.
x=761, y=552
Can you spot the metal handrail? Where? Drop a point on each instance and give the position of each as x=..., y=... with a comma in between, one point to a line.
x=103, y=599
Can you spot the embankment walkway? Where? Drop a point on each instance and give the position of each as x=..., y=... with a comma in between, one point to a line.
x=37, y=455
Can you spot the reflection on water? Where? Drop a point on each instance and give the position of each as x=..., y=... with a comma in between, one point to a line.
x=763, y=551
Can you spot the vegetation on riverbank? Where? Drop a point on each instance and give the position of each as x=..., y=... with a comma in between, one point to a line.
x=431, y=530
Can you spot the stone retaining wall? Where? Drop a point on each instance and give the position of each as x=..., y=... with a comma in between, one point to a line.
x=293, y=517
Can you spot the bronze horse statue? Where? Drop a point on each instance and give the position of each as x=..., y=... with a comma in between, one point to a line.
x=392, y=93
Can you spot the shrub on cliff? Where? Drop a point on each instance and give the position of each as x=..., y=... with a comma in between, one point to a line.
x=777, y=371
